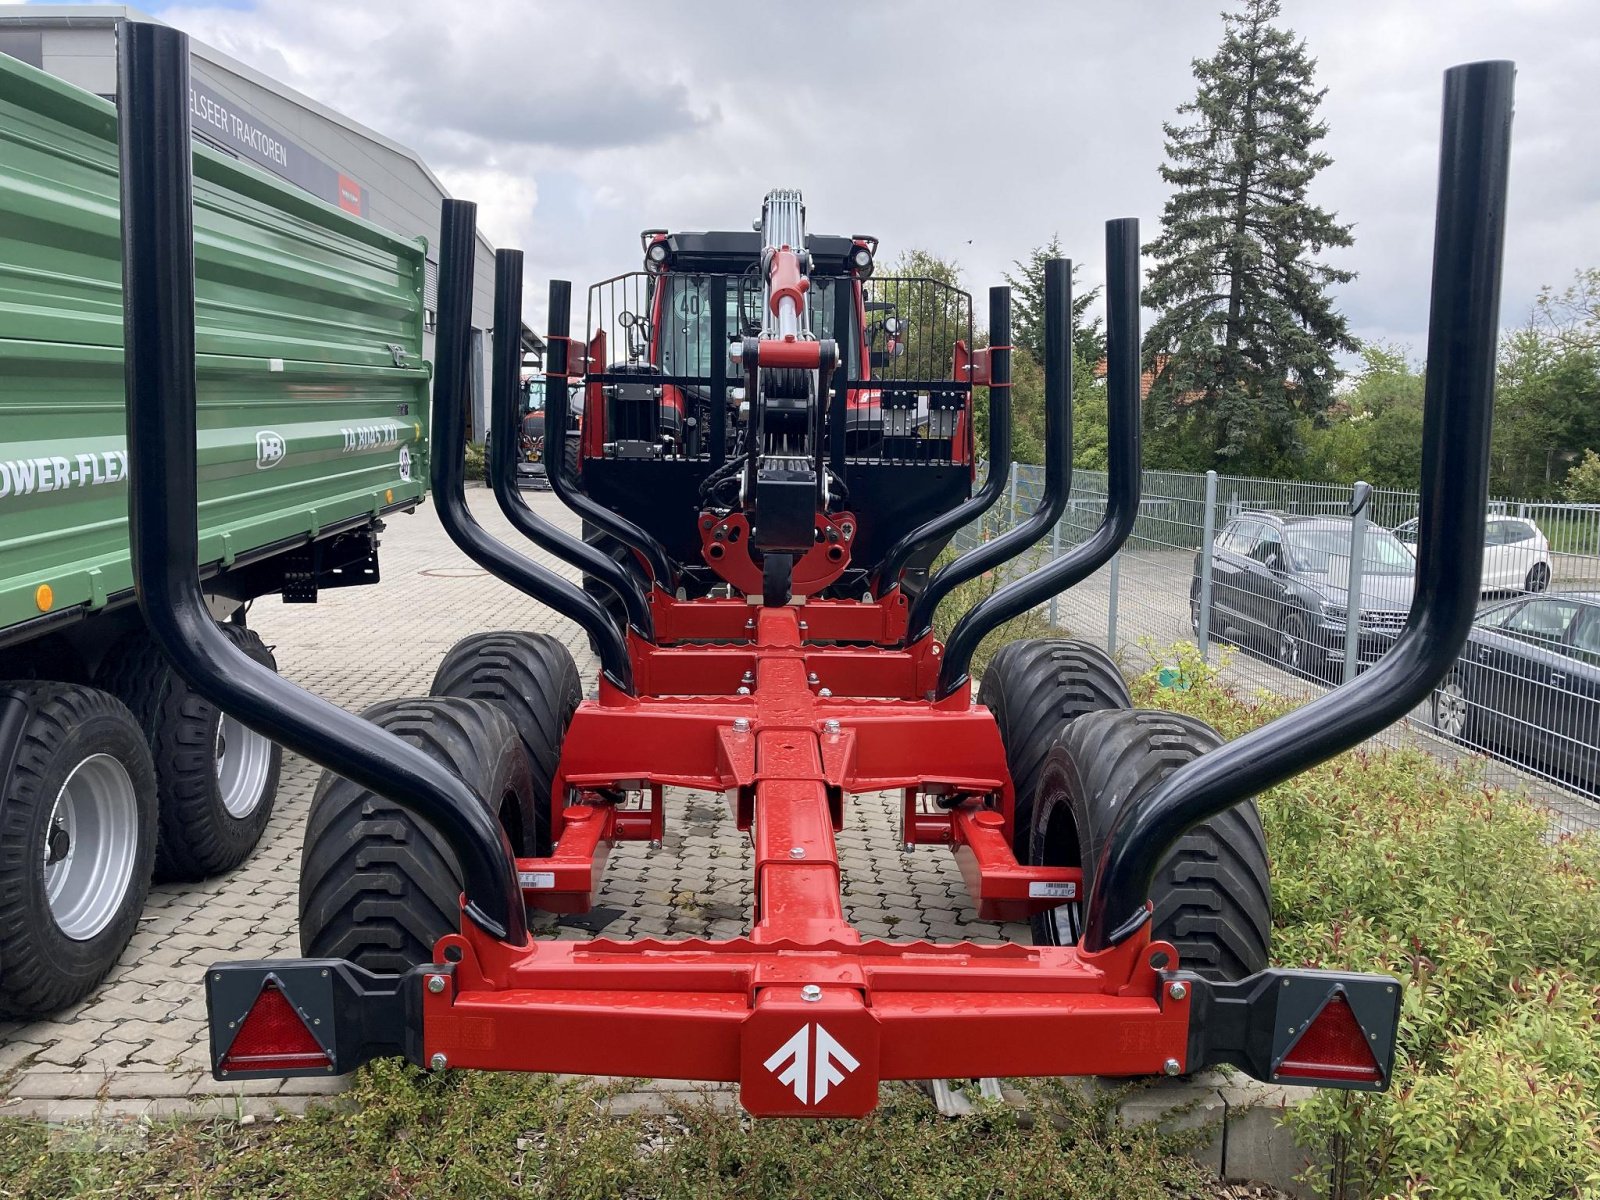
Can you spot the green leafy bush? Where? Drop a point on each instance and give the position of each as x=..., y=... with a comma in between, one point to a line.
x=1583, y=480
x=475, y=461
x=1395, y=861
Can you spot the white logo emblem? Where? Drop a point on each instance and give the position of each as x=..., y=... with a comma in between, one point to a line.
x=816, y=1069
x=269, y=449
x=405, y=464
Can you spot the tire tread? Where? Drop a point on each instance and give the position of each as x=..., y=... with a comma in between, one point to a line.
x=1213, y=892
x=377, y=885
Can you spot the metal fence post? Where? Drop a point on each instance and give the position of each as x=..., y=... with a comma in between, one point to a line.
x=1055, y=553
x=1111, y=607
x=1207, y=543
x=1013, y=486
x=1352, y=608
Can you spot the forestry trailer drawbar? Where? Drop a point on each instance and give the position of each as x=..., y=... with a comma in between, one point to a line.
x=781, y=442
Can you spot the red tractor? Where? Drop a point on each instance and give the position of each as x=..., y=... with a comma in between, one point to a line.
x=772, y=440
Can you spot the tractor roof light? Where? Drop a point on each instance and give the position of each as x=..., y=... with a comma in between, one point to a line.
x=861, y=260
x=655, y=257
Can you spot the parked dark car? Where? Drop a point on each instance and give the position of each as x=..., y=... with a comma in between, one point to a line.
x=1527, y=685
x=1280, y=583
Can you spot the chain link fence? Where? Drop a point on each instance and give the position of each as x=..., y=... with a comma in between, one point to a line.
x=1304, y=593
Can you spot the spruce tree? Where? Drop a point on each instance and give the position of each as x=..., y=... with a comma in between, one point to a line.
x=1027, y=307
x=1245, y=343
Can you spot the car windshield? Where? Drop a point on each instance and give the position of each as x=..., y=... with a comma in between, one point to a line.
x=1313, y=548
x=685, y=336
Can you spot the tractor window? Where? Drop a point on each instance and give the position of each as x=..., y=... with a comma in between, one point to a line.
x=685, y=333
x=822, y=311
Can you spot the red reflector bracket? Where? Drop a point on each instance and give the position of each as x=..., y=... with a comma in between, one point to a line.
x=273, y=1037
x=1332, y=1047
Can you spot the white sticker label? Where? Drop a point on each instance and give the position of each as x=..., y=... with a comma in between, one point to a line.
x=25, y=476
x=274, y=364
x=405, y=464
x=1052, y=891
x=536, y=880
x=269, y=449
x=383, y=435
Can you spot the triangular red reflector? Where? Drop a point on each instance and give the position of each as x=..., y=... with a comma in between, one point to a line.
x=273, y=1037
x=1333, y=1047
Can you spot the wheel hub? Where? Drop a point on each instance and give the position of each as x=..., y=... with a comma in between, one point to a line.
x=243, y=762
x=91, y=846
x=58, y=842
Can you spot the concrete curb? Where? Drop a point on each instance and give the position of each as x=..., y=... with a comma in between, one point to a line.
x=1248, y=1142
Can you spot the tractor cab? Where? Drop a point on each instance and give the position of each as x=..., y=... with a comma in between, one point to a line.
x=748, y=391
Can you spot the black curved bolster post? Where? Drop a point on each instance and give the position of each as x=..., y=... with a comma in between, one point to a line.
x=505, y=395
x=1122, y=473
x=555, y=421
x=894, y=563
x=1057, y=458
x=1457, y=414
x=163, y=521
x=457, y=249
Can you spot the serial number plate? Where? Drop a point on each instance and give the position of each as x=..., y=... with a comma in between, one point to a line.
x=535, y=880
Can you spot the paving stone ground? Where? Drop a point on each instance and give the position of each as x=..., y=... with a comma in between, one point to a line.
x=137, y=1045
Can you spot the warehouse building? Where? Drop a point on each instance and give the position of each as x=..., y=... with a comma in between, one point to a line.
x=240, y=111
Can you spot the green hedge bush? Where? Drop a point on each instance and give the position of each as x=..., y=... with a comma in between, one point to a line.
x=475, y=461
x=1395, y=861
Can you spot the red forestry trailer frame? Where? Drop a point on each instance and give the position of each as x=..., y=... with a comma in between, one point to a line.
x=788, y=709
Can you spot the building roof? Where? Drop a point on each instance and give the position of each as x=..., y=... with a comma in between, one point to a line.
x=105, y=16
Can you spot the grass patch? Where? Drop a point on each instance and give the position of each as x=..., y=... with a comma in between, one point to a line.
x=405, y=1133
x=1395, y=861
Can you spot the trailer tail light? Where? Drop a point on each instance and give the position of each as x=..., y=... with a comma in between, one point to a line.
x=273, y=1037
x=1333, y=1048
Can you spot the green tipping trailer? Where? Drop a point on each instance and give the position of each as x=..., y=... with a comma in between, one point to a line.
x=313, y=411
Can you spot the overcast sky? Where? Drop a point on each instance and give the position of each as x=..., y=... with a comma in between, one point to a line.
x=576, y=125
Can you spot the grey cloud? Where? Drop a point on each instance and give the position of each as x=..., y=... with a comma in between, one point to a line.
x=916, y=122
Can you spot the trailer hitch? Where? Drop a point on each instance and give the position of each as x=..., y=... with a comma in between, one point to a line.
x=154, y=159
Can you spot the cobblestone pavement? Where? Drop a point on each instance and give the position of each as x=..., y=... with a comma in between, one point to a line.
x=137, y=1045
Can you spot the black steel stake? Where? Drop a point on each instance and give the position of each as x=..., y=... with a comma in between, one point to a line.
x=557, y=345
x=1458, y=409
x=942, y=526
x=1057, y=458
x=1122, y=470
x=447, y=459
x=505, y=396
x=154, y=155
